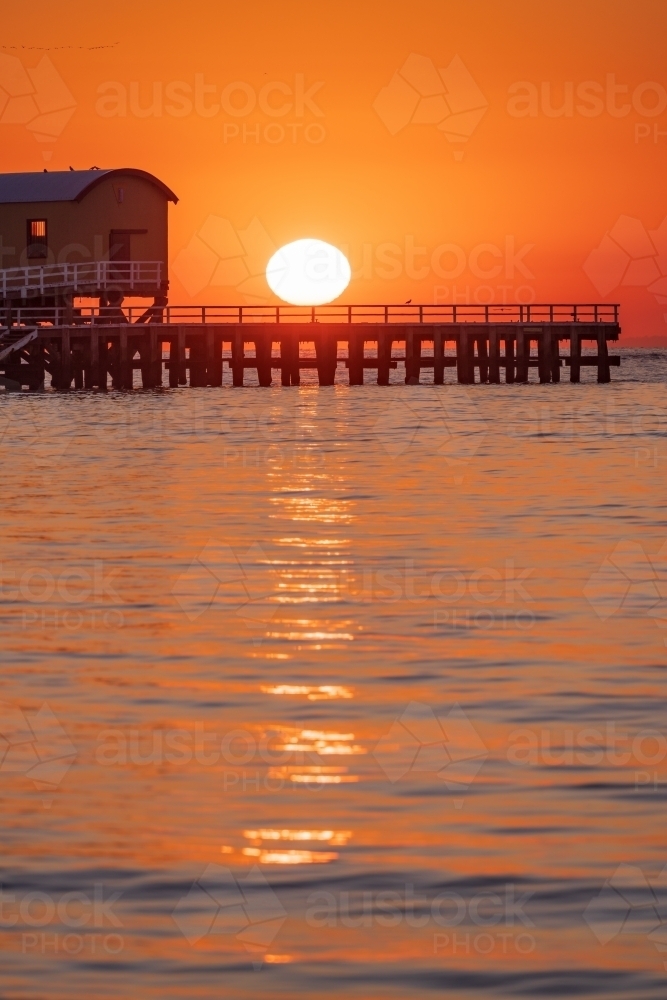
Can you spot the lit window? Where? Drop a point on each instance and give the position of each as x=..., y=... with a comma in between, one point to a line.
x=37, y=244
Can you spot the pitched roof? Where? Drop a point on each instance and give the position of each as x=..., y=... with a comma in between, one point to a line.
x=65, y=185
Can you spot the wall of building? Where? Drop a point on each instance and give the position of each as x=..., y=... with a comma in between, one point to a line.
x=80, y=231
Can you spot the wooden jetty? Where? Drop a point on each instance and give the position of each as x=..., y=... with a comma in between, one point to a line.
x=90, y=348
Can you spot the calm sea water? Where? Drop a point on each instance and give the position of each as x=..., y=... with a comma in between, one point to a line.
x=342, y=691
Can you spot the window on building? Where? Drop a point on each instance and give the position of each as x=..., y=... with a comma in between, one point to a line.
x=37, y=239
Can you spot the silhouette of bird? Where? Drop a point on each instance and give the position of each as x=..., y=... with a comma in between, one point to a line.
x=408, y=302
x=71, y=168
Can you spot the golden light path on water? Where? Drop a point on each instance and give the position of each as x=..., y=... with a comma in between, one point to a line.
x=327, y=642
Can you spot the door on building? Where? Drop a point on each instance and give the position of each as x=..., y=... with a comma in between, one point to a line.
x=120, y=245
x=120, y=250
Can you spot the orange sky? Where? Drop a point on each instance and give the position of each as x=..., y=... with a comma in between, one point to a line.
x=327, y=164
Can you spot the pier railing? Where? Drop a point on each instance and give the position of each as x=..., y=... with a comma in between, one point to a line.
x=101, y=275
x=407, y=314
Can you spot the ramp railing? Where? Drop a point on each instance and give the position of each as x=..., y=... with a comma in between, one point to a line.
x=82, y=276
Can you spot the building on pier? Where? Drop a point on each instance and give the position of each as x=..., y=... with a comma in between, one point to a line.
x=94, y=233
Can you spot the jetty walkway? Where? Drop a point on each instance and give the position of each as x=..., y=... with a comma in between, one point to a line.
x=92, y=347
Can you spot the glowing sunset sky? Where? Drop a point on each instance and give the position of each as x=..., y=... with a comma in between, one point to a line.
x=456, y=151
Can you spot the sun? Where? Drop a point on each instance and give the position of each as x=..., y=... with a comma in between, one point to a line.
x=308, y=273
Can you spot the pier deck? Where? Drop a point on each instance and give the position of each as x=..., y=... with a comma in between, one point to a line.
x=189, y=345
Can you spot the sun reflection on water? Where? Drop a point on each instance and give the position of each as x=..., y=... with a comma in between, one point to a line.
x=294, y=856
x=322, y=743
x=320, y=692
x=313, y=566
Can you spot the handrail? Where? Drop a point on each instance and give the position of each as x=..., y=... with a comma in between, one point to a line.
x=102, y=275
x=21, y=339
x=406, y=315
